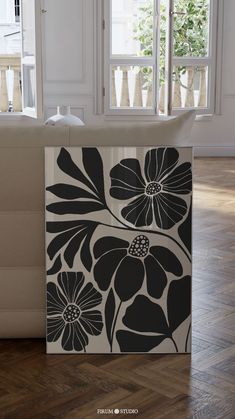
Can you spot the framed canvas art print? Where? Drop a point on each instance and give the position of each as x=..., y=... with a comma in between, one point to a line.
x=118, y=249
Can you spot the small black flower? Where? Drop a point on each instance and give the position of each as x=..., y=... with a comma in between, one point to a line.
x=129, y=263
x=69, y=311
x=156, y=195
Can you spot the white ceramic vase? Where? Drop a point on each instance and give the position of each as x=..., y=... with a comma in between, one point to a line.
x=64, y=120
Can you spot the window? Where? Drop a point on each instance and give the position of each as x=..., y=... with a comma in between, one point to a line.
x=20, y=58
x=31, y=66
x=160, y=56
x=17, y=10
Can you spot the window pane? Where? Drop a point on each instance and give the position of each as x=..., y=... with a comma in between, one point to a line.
x=191, y=28
x=190, y=87
x=29, y=86
x=10, y=59
x=28, y=22
x=132, y=27
x=131, y=87
x=17, y=10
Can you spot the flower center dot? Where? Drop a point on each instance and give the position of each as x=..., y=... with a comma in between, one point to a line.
x=139, y=247
x=153, y=188
x=71, y=313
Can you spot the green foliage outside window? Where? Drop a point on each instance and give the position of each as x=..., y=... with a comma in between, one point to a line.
x=190, y=36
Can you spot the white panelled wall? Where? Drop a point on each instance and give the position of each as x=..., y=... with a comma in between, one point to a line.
x=69, y=71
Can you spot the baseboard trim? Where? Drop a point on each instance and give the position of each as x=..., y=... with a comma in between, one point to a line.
x=214, y=151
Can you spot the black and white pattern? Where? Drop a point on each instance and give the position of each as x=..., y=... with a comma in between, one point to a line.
x=118, y=235
x=157, y=195
x=70, y=311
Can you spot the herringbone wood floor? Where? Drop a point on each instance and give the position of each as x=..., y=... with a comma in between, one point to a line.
x=33, y=385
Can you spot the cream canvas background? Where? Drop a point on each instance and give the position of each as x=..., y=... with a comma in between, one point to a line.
x=112, y=156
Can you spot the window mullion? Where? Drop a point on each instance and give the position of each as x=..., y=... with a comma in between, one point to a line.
x=169, y=57
x=191, y=61
x=139, y=61
x=156, y=55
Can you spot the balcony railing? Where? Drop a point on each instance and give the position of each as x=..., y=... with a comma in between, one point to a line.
x=131, y=88
x=10, y=83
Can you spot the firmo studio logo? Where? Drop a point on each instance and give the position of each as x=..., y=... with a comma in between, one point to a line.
x=117, y=411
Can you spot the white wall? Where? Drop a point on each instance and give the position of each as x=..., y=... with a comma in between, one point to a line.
x=69, y=70
x=68, y=55
x=220, y=131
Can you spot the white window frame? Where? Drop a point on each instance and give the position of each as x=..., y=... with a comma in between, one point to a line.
x=36, y=61
x=136, y=61
x=213, y=61
x=209, y=61
x=37, y=111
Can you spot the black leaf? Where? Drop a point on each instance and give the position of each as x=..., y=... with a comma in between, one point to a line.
x=65, y=191
x=106, y=266
x=81, y=241
x=82, y=230
x=145, y=316
x=93, y=165
x=58, y=226
x=132, y=342
x=81, y=207
x=179, y=302
x=109, y=314
x=185, y=228
x=85, y=254
x=60, y=240
x=55, y=267
x=73, y=247
x=67, y=165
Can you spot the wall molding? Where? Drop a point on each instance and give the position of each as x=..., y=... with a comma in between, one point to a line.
x=214, y=151
x=229, y=95
x=82, y=79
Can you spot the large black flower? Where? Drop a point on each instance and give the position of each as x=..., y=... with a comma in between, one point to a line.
x=69, y=311
x=129, y=263
x=156, y=195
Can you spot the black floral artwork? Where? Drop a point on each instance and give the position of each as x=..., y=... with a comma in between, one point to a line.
x=112, y=284
x=73, y=236
x=70, y=311
x=157, y=196
x=129, y=263
x=77, y=199
x=145, y=316
x=185, y=230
